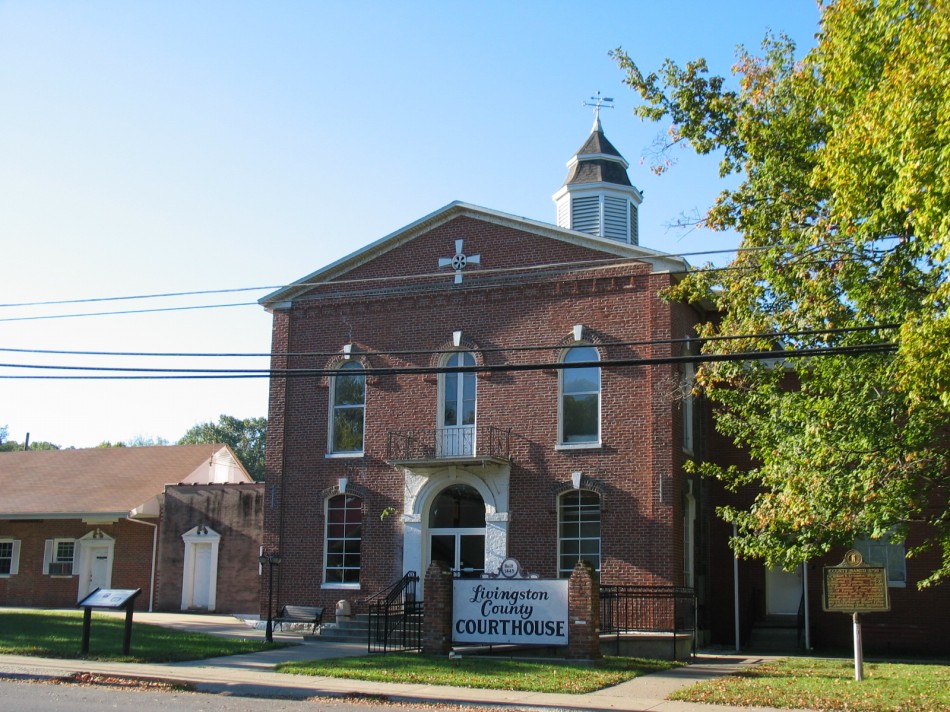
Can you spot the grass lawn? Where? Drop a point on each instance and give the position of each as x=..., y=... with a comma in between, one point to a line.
x=55, y=634
x=490, y=673
x=829, y=684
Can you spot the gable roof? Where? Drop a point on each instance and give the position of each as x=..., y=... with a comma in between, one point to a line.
x=105, y=482
x=282, y=297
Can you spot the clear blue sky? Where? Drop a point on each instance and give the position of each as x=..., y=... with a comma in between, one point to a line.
x=154, y=147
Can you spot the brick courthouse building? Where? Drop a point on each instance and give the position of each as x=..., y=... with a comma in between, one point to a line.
x=426, y=404
x=380, y=461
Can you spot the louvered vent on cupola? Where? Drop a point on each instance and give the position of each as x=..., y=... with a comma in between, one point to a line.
x=585, y=214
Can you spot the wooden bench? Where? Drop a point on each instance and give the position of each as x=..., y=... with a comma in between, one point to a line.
x=309, y=615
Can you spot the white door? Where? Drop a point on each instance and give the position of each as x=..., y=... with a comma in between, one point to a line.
x=96, y=567
x=201, y=594
x=457, y=436
x=783, y=591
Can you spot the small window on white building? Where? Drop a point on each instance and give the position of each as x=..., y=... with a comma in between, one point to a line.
x=580, y=398
x=59, y=557
x=883, y=552
x=9, y=557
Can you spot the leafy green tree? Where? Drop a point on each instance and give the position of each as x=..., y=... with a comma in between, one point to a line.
x=246, y=437
x=843, y=207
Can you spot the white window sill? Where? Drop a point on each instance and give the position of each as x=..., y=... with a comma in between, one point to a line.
x=342, y=586
x=579, y=446
x=897, y=584
x=342, y=455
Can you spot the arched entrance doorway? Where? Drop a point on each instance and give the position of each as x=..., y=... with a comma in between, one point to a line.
x=457, y=530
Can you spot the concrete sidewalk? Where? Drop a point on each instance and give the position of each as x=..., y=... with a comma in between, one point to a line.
x=253, y=675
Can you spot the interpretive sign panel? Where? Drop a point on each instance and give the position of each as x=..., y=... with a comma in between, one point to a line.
x=109, y=597
x=855, y=587
x=510, y=611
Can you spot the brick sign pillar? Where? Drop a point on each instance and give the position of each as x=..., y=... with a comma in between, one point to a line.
x=583, y=607
x=437, y=625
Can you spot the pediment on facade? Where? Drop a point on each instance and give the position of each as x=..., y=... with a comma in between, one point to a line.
x=457, y=245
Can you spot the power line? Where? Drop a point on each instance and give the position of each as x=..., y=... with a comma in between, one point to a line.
x=129, y=311
x=117, y=373
x=574, y=265
x=413, y=352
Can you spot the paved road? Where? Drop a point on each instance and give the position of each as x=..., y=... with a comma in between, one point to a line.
x=34, y=696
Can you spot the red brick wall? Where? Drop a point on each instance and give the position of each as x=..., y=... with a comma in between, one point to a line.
x=30, y=587
x=637, y=469
x=235, y=511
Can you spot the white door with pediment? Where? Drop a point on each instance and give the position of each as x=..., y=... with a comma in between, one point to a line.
x=95, y=552
x=200, y=570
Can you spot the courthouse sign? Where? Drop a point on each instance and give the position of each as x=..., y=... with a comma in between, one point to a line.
x=502, y=611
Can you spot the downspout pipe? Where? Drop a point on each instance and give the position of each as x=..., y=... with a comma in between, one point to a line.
x=151, y=582
x=735, y=586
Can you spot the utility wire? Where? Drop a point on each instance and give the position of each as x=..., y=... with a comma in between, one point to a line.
x=412, y=352
x=574, y=265
x=146, y=373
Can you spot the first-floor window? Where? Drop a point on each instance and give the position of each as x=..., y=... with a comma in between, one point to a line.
x=579, y=530
x=59, y=557
x=343, y=540
x=883, y=552
x=9, y=557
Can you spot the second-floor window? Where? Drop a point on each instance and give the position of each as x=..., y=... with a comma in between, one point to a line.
x=580, y=398
x=348, y=409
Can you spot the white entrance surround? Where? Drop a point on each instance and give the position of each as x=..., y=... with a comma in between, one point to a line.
x=96, y=552
x=200, y=575
x=421, y=489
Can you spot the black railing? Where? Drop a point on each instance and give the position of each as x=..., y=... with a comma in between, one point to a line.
x=649, y=609
x=446, y=443
x=395, y=617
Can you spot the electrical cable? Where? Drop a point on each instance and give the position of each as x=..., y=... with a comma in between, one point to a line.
x=411, y=352
x=145, y=373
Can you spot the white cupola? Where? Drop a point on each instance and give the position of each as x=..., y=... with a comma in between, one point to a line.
x=597, y=196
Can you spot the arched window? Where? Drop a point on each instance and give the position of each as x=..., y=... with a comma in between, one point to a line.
x=578, y=530
x=344, y=534
x=348, y=409
x=457, y=415
x=580, y=398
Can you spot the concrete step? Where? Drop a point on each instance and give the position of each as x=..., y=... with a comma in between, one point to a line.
x=777, y=639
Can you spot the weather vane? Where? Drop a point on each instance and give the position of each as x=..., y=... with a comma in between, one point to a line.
x=599, y=102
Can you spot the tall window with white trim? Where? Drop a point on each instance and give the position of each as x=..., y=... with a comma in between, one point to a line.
x=344, y=538
x=578, y=530
x=580, y=397
x=348, y=406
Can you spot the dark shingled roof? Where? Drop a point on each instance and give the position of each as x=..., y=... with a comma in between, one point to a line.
x=598, y=170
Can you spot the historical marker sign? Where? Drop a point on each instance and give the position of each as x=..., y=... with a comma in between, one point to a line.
x=855, y=587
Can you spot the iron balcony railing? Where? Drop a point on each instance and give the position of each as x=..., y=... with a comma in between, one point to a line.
x=648, y=609
x=484, y=441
